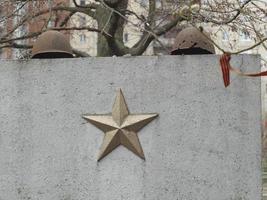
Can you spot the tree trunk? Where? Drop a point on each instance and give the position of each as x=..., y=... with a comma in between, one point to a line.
x=103, y=18
x=111, y=23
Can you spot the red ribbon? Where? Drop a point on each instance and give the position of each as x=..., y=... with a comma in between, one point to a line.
x=226, y=68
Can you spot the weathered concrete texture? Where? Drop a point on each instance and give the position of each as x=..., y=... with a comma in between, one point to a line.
x=205, y=144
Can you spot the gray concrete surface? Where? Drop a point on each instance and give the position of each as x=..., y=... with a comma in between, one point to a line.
x=205, y=144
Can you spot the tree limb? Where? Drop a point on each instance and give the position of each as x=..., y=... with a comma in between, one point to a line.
x=151, y=13
x=35, y=34
x=238, y=12
x=90, y=5
x=79, y=53
x=148, y=37
x=66, y=19
x=16, y=46
x=57, y=8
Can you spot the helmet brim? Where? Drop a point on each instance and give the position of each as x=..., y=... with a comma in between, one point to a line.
x=190, y=51
x=52, y=54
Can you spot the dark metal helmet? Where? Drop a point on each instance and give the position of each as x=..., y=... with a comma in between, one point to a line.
x=52, y=44
x=191, y=41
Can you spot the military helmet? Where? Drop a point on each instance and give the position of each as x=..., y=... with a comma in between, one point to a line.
x=52, y=44
x=191, y=41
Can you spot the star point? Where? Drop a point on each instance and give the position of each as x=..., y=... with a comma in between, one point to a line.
x=120, y=110
x=120, y=127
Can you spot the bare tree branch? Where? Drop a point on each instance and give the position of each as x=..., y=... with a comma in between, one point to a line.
x=149, y=22
x=79, y=53
x=35, y=34
x=89, y=5
x=66, y=20
x=230, y=20
x=151, y=13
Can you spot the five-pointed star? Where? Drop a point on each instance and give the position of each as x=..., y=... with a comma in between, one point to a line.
x=120, y=127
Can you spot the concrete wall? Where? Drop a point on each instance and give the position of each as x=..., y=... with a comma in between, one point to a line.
x=205, y=144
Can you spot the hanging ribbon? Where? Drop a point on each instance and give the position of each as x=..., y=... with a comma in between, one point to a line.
x=226, y=68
